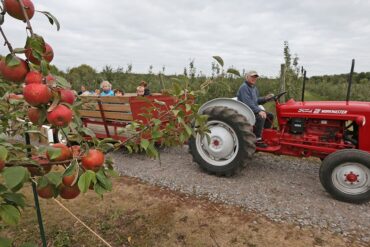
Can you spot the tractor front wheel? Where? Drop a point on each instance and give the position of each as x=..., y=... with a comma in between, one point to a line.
x=230, y=142
x=345, y=174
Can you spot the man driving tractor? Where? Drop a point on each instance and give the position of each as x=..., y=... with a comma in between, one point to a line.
x=248, y=94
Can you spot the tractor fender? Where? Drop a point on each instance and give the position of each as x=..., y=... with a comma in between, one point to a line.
x=231, y=103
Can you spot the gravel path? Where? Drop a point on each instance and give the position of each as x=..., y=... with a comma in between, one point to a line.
x=284, y=189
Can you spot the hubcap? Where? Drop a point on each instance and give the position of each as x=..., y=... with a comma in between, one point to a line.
x=61, y=138
x=223, y=144
x=351, y=178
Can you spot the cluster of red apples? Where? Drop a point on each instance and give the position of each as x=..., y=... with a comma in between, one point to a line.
x=49, y=103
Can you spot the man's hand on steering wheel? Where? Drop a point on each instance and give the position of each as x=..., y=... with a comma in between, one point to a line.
x=269, y=97
x=277, y=97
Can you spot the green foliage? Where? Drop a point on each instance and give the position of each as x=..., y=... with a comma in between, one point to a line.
x=14, y=177
x=334, y=87
x=293, y=78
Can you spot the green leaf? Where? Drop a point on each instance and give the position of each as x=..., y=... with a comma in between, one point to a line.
x=85, y=180
x=54, y=153
x=15, y=176
x=105, y=147
x=54, y=178
x=16, y=198
x=37, y=44
x=157, y=134
x=88, y=132
x=3, y=153
x=112, y=173
x=9, y=214
x=233, y=71
x=52, y=19
x=219, y=60
x=156, y=121
x=61, y=82
x=71, y=169
x=99, y=189
x=129, y=148
x=4, y=242
x=12, y=60
x=189, y=131
x=103, y=180
x=42, y=182
x=44, y=67
x=175, y=112
x=144, y=143
x=3, y=188
x=152, y=151
x=187, y=107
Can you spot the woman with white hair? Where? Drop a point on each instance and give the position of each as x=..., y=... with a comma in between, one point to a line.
x=106, y=89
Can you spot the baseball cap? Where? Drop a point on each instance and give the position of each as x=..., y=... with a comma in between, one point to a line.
x=252, y=73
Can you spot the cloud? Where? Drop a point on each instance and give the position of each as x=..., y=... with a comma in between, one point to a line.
x=326, y=35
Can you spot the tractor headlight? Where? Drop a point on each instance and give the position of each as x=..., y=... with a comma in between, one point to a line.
x=361, y=121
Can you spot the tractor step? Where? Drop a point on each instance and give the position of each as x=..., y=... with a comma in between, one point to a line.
x=270, y=149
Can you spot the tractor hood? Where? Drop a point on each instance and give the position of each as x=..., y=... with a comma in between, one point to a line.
x=352, y=110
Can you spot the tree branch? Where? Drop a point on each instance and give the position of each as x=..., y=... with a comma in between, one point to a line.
x=29, y=27
x=6, y=41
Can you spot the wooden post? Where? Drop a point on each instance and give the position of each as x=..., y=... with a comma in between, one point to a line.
x=282, y=81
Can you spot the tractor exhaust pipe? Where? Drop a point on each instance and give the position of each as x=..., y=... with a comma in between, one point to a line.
x=350, y=80
x=304, y=84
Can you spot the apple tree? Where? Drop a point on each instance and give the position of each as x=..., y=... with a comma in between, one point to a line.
x=31, y=96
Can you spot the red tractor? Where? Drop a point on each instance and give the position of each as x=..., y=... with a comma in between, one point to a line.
x=334, y=131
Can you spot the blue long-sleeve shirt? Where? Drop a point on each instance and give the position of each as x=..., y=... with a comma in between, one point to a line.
x=248, y=94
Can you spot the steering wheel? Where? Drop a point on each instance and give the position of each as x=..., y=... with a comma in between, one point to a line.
x=277, y=97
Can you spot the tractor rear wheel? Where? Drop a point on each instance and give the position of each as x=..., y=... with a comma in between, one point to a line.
x=345, y=174
x=231, y=142
x=59, y=137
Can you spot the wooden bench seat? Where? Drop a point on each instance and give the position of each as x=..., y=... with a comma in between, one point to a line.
x=107, y=116
x=115, y=108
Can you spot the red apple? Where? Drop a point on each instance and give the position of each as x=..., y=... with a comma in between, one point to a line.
x=48, y=55
x=34, y=114
x=93, y=160
x=67, y=96
x=14, y=9
x=33, y=77
x=15, y=73
x=46, y=192
x=69, y=192
x=37, y=94
x=68, y=180
x=65, y=154
x=60, y=116
x=50, y=80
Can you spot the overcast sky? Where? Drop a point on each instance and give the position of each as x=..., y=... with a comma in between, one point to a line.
x=325, y=34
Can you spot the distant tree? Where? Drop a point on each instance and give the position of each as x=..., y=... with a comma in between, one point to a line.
x=82, y=75
x=129, y=68
x=119, y=69
x=192, y=71
x=107, y=73
x=150, y=71
x=292, y=72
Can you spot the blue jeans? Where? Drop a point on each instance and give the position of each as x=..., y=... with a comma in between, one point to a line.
x=262, y=123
